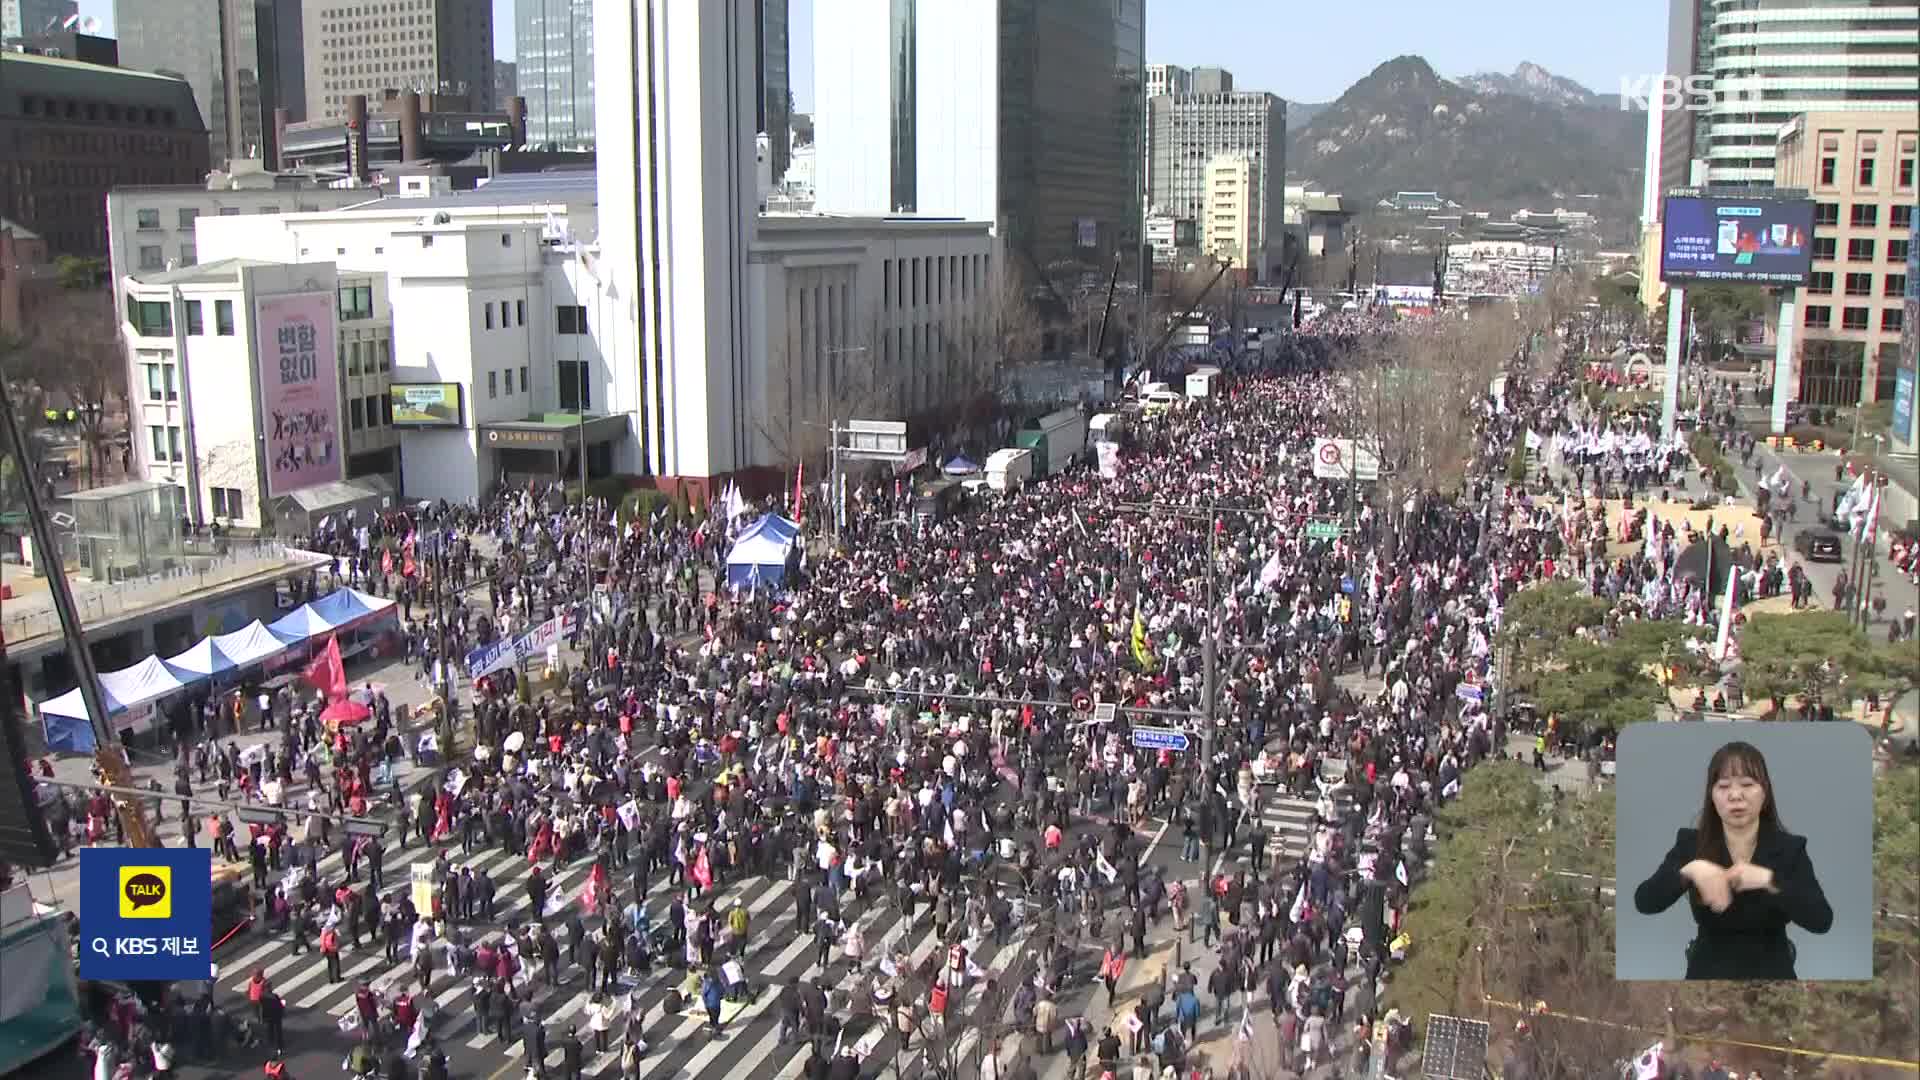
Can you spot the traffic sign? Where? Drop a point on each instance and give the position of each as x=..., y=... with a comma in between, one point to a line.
x=1324, y=530
x=1104, y=712
x=1343, y=459
x=1158, y=738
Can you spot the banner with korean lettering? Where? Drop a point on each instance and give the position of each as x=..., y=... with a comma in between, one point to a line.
x=491, y=658
x=299, y=391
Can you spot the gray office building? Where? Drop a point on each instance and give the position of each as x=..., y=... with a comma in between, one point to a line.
x=241, y=57
x=553, y=47
x=438, y=47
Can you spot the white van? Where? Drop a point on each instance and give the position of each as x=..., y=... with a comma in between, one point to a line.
x=1160, y=401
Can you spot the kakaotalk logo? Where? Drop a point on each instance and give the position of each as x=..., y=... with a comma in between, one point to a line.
x=146, y=892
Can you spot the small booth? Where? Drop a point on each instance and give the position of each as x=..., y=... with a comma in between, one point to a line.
x=125, y=531
x=311, y=510
x=763, y=553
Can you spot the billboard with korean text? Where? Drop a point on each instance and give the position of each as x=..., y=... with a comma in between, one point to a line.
x=1736, y=238
x=299, y=391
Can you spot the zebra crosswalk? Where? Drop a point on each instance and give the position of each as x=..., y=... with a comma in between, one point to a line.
x=680, y=1046
x=1290, y=821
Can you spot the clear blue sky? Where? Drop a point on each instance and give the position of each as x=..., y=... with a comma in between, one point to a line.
x=1312, y=52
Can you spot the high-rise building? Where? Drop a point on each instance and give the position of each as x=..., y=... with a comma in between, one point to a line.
x=674, y=138
x=775, y=85
x=1228, y=224
x=1769, y=62
x=553, y=47
x=25, y=18
x=234, y=54
x=1210, y=80
x=1185, y=132
x=989, y=112
x=144, y=129
x=1168, y=79
x=506, y=82
x=442, y=47
x=1863, y=171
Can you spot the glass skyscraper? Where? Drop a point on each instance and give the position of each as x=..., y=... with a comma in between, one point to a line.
x=553, y=41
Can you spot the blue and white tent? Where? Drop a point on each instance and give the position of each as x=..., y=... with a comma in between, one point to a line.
x=761, y=553
x=960, y=465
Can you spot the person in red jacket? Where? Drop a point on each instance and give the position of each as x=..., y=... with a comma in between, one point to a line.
x=330, y=951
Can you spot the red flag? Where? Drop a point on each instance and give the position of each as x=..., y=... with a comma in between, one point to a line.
x=596, y=888
x=703, y=869
x=326, y=674
x=386, y=561
x=799, y=488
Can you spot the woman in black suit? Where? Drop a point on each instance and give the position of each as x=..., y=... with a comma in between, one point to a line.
x=1748, y=876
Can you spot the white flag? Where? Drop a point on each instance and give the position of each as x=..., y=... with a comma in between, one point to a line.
x=1106, y=868
x=1400, y=873
x=1299, y=908
x=1270, y=573
x=1647, y=1065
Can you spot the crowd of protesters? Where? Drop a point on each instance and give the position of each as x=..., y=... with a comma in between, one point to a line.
x=899, y=721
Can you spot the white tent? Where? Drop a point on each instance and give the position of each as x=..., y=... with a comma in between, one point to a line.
x=148, y=680
x=251, y=643
x=204, y=659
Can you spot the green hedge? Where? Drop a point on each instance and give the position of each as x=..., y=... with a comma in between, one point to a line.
x=1517, y=463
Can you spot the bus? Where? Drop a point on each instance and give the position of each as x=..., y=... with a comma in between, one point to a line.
x=40, y=998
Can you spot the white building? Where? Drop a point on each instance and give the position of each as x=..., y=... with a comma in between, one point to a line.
x=905, y=115
x=1185, y=132
x=1227, y=224
x=689, y=340
x=1168, y=79
x=481, y=290
x=864, y=318
x=194, y=356
x=1166, y=235
x=151, y=228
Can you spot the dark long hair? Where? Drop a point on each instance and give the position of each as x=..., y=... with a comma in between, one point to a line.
x=1733, y=759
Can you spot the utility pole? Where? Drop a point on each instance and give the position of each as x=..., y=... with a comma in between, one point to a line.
x=107, y=751
x=1209, y=645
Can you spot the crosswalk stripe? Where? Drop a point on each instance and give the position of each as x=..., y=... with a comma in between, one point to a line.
x=677, y=1052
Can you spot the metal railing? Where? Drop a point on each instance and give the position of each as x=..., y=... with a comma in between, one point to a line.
x=201, y=568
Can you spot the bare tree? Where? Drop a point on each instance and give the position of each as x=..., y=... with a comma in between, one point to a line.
x=1005, y=327
x=1416, y=396
x=847, y=382
x=72, y=360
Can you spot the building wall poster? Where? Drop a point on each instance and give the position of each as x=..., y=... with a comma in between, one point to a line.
x=299, y=391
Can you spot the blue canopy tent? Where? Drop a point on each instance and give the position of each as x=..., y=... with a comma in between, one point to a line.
x=960, y=465
x=761, y=553
x=204, y=660
x=344, y=607
x=250, y=644
x=65, y=717
x=300, y=624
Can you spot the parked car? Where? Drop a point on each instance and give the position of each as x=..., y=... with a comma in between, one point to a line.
x=1818, y=545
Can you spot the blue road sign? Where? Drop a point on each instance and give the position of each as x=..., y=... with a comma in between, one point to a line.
x=1159, y=738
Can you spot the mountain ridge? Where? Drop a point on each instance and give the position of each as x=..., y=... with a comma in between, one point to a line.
x=1496, y=142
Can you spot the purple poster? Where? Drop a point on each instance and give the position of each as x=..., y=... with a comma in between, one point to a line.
x=299, y=391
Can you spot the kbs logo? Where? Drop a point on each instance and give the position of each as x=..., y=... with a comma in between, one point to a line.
x=1693, y=93
x=146, y=892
